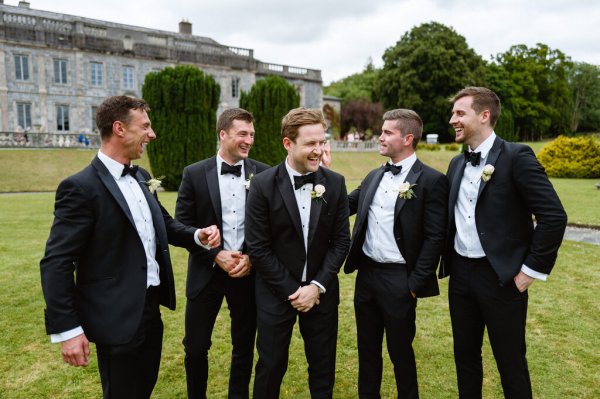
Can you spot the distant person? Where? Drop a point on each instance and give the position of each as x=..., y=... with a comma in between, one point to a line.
x=213, y=192
x=297, y=233
x=397, y=241
x=494, y=252
x=106, y=267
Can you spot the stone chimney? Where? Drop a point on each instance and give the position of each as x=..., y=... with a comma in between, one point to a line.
x=185, y=27
x=24, y=4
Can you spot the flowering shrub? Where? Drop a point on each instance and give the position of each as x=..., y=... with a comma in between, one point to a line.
x=574, y=157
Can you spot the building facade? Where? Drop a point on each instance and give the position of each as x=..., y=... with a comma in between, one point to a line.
x=55, y=69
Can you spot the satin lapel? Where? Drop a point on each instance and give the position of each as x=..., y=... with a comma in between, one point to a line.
x=316, y=206
x=455, y=179
x=157, y=216
x=491, y=160
x=212, y=181
x=112, y=187
x=413, y=176
x=249, y=170
x=289, y=199
x=370, y=193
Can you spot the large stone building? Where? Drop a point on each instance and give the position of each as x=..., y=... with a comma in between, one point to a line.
x=55, y=69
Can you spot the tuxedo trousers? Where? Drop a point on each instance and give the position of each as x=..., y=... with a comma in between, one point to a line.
x=478, y=301
x=383, y=302
x=130, y=371
x=319, y=332
x=200, y=316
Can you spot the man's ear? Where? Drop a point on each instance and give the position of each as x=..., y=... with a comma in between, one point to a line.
x=287, y=143
x=485, y=116
x=118, y=128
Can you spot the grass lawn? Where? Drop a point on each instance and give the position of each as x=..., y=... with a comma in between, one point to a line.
x=562, y=328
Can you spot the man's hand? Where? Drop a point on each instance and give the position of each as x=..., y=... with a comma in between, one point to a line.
x=228, y=260
x=76, y=351
x=523, y=281
x=243, y=268
x=305, y=298
x=210, y=236
x=326, y=157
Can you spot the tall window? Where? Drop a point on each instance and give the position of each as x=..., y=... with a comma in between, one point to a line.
x=24, y=115
x=21, y=67
x=235, y=87
x=94, y=110
x=96, y=73
x=60, y=71
x=62, y=118
x=128, y=77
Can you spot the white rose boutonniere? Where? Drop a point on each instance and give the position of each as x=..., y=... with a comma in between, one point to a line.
x=488, y=170
x=406, y=191
x=248, y=181
x=153, y=184
x=317, y=192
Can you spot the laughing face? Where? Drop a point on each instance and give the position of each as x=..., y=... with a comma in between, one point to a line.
x=304, y=155
x=137, y=133
x=467, y=123
x=235, y=143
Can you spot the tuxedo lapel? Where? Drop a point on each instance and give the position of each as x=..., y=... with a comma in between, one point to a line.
x=212, y=181
x=413, y=176
x=371, y=189
x=455, y=179
x=316, y=207
x=249, y=172
x=289, y=199
x=491, y=160
x=111, y=185
x=157, y=217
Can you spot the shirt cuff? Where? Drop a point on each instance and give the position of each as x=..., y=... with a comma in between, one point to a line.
x=197, y=240
x=534, y=274
x=63, y=336
x=322, y=289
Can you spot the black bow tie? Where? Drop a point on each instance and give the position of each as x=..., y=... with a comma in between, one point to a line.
x=234, y=170
x=299, y=181
x=473, y=157
x=129, y=170
x=388, y=167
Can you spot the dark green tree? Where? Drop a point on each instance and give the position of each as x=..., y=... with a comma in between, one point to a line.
x=269, y=100
x=183, y=102
x=427, y=65
x=584, y=80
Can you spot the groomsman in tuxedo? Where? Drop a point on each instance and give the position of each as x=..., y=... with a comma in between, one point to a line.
x=494, y=251
x=396, y=245
x=106, y=267
x=297, y=234
x=213, y=191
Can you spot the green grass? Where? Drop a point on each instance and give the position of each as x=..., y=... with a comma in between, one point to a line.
x=562, y=333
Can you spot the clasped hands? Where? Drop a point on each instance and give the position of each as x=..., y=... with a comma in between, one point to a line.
x=235, y=263
x=305, y=298
x=210, y=236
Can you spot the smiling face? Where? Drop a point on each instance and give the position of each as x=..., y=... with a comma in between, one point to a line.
x=304, y=154
x=136, y=133
x=468, y=125
x=235, y=143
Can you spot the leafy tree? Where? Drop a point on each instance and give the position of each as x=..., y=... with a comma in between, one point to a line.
x=426, y=66
x=362, y=115
x=358, y=86
x=584, y=81
x=269, y=100
x=183, y=102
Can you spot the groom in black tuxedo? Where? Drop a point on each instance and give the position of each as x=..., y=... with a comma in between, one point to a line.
x=111, y=232
x=213, y=192
x=494, y=251
x=396, y=245
x=297, y=234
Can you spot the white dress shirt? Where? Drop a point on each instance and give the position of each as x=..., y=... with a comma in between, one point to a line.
x=233, y=206
x=380, y=243
x=466, y=241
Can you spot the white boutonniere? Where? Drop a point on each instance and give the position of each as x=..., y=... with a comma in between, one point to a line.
x=406, y=191
x=153, y=184
x=317, y=192
x=488, y=171
x=248, y=181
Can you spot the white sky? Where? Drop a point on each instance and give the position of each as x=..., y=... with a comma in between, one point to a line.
x=338, y=36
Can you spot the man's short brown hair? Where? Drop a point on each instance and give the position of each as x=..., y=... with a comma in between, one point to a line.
x=227, y=117
x=114, y=109
x=299, y=117
x=408, y=122
x=483, y=98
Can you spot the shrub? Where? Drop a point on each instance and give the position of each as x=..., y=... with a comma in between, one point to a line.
x=574, y=157
x=452, y=147
x=428, y=147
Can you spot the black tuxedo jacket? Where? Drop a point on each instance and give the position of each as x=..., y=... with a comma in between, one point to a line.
x=419, y=224
x=199, y=204
x=518, y=189
x=276, y=244
x=94, y=235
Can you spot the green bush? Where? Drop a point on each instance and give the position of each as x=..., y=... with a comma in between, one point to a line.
x=452, y=147
x=575, y=157
x=428, y=147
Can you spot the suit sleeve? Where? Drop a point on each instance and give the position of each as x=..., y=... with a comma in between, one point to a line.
x=74, y=219
x=353, y=200
x=541, y=199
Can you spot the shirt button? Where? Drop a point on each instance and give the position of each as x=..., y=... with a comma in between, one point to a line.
x=233, y=211
x=303, y=207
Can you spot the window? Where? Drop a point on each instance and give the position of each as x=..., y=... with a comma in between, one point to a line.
x=21, y=67
x=128, y=77
x=62, y=117
x=60, y=71
x=94, y=127
x=235, y=87
x=96, y=73
x=24, y=115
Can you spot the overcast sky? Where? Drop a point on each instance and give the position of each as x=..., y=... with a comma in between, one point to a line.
x=339, y=36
